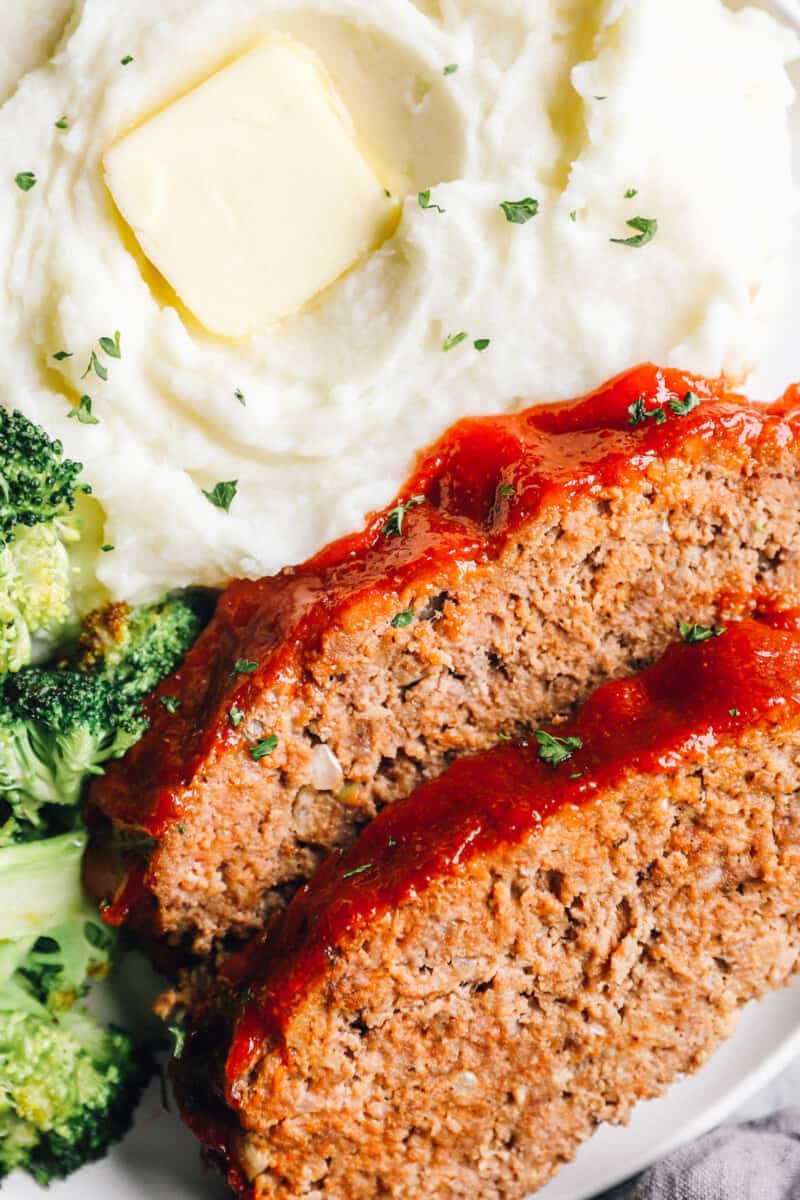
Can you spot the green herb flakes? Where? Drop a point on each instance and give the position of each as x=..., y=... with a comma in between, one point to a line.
x=244, y=666
x=631, y=192
x=178, y=1040
x=683, y=407
x=425, y=202
x=264, y=748
x=452, y=340
x=356, y=871
x=519, y=212
x=222, y=494
x=450, y=69
x=699, y=633
x=25, y=180
x=235, y=716
x=556, y=750
x=62, y=123
x=111, y=345
x=403, y=619
x=171, y=703
x=393, y=526
x=96, y=366
x=126, y=60
x=507, y=491
x=482, y=344
x=60, y=355
x=646, y=229
x=83, y=412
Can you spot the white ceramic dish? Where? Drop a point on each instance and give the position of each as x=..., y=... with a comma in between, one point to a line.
x=160, y=1158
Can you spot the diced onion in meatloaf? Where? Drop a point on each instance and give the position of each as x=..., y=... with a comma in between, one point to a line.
x=521, y=949
x=529, y=558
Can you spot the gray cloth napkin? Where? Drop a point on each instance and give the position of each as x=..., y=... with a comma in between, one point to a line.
x=757, y=1161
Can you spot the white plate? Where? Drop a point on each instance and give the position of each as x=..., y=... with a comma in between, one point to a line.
x=159, y=1159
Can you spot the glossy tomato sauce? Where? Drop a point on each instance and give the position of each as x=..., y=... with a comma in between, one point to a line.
x=469, y=494
x=696, y=697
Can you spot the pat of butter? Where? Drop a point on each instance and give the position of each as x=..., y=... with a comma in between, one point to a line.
x=249, y=193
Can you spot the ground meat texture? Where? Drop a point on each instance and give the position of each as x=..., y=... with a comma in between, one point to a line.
x=533, y=556
x=518, y=951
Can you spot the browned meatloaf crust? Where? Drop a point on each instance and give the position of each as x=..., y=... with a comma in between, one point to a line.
x=534, y=556
x=519, y=951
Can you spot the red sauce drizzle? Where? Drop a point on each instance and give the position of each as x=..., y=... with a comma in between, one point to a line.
x=696, y=697
x=549, y=456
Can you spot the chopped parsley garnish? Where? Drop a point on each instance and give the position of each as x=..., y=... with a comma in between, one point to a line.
x=171, y=703
x=573, y=216
x=506, y=490
x=450, y=69
x=556, y=750
x=504, y=737
x=60, y=355
x=482, y=344
x=425, y=201
x=264, y=748
x=683, y=407
x=244, y=666
x=733, y=712
x=83, y=412
x=639, y=413
x=452, y=340
x=391, y=842
x=356, y=871
x=699, y=633
x=181, y=828
x=96, y=366
x=239, y=394
x=25, y=180
x=62, y=123
x=761, y=525
x=519, y=212
x=403, y=619
x=111, y=345
x=394, y=523
x=235, y=716
x=646, y=229
x=107, y=548
x=222, y=494
x=126, y=60
x=631, y=192
x=577, y=775
x=179, y=1042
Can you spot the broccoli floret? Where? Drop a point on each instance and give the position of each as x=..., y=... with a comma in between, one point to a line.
x=38, y=483
x=135, y=648
x=68, y=1089
x=59, y=726
x=67, y=1086
x=38, y=490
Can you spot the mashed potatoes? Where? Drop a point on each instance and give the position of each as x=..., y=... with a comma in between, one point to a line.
x=669, y=110
x=29, y=32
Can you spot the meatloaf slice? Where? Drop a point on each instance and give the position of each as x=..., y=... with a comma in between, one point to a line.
x=529, y=558
x=521, y=949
